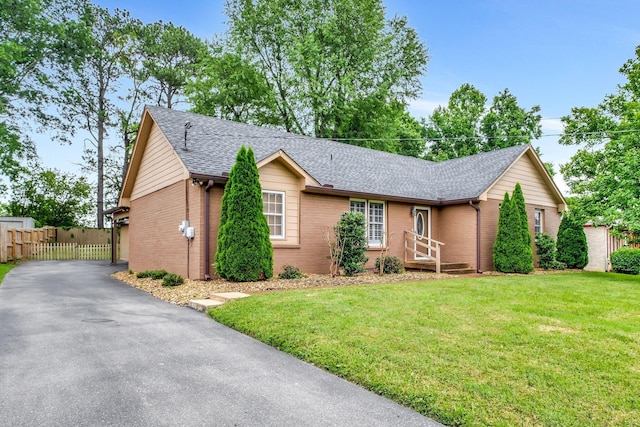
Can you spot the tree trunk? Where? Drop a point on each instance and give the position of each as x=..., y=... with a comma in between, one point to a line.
x=100, y=150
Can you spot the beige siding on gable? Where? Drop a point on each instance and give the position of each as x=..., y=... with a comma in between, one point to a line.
x=534, y=187
x=275, y=176
x=160, y=166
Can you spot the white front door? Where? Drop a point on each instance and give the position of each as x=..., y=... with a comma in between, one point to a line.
x=422, y=228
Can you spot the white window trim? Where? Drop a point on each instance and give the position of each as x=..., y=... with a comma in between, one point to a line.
x=283, y=215
x=366, y=215
x=541, y=220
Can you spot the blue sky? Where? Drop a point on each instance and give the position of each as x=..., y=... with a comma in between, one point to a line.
x=557, y=54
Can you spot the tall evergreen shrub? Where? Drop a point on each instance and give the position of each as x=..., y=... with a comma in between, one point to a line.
x=512, y=252
x=572, y=242
x=352, y=242
x=517, y=197
x=247, y=254
x=224, y=208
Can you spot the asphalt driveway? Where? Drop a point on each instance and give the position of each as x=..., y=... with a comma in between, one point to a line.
x=79, y=348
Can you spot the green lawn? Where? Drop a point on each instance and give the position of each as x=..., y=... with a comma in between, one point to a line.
x=556, y=350
x=4, y=269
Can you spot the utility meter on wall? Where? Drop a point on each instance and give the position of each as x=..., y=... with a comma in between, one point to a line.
x=190, y=233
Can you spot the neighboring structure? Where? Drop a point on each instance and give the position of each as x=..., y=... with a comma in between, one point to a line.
x=601, y=244
x=19, y=222
x=420, y=210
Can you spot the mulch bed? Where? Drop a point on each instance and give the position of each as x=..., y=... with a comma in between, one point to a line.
x=200, y=289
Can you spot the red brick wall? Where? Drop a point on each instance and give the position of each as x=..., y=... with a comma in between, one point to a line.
x=154, y=239
x=457, y=230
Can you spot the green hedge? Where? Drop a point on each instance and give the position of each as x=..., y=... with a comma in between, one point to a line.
x=626, y=261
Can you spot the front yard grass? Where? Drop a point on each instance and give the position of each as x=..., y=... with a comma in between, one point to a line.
x=4, y=269
x=557, y=349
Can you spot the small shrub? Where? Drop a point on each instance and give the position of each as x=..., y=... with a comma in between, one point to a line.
x=154, y=274
x=158, y=274
x=130, y=271
x=291, y=272
x=391, y=265
x=626, y=261
x=350, y=234
x=546, y=250
x=171, y=279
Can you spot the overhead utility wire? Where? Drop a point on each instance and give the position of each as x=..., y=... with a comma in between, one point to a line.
x=459, y=138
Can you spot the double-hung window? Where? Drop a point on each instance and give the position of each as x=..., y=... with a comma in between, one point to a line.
x=273, y=206
x=374, y=214
x=538, y=218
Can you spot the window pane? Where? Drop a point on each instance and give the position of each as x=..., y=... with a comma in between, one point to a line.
x=273, y=206
x=358, y=206
x=376, y=223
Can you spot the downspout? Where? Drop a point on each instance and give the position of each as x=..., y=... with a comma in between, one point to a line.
x=207, y=261
x=478, y=246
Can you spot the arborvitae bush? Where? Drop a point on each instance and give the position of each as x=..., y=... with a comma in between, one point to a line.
x=517, y=197
x=626, y=261
x=512, y=252
x=391, y=265
x=351, y=237
x=572, y=243
x=221, y=246
x=246, y=251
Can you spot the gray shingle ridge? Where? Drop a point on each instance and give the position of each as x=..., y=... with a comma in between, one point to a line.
x=212, y=145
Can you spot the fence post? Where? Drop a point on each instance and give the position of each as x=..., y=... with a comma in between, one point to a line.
x=3, y=243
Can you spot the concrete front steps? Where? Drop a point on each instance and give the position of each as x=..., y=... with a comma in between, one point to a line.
x=216, y=300
x=445, y=267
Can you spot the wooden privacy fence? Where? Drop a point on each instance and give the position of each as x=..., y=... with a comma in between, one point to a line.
x=16, y=244
x=40, y=244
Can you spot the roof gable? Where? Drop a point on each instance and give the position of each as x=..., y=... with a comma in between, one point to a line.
x=290, y=164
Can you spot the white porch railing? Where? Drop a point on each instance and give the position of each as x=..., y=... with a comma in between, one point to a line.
x=423, y=247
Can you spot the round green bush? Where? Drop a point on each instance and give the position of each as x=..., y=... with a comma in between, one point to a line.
x=171, y=279
x=291, y=272
x=391, y=265
x=158, y=274
x=626, y=260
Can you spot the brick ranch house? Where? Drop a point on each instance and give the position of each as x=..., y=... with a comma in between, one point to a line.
x=418, y=210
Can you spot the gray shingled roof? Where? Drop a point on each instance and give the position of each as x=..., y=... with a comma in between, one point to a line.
x=212, y=145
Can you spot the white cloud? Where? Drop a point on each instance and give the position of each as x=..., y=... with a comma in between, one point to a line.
x=423, y=107
x=552, y=126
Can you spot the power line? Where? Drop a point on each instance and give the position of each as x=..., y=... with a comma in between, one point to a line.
x=604, y=134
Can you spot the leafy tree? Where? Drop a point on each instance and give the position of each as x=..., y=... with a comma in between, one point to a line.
x=467, y=126
x=511, y=252
x=572, y=243
x=350, y=234
x=247, y=254
x=229, y=87
x=327, y=59
x=51, y=197
x=605, y=171
x=37, y=37
x=454, y=131
x=507, y=124
x=170, y=59
x=90, y=89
